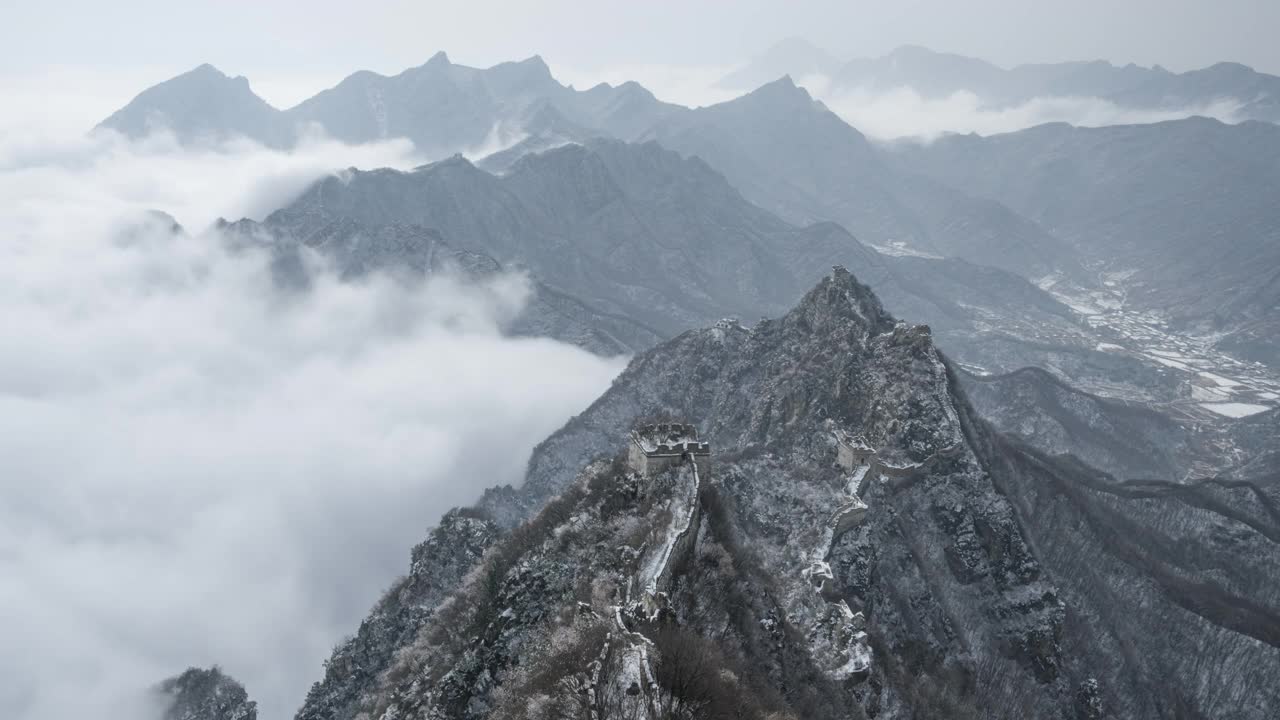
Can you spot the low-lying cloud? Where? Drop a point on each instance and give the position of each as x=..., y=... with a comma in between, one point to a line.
x=903, y=113
x=199, y=468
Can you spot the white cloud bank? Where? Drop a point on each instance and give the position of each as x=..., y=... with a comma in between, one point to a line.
x=905, y=114
x=196, y=468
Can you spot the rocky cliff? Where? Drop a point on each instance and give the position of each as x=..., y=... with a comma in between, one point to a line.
x=978, y=578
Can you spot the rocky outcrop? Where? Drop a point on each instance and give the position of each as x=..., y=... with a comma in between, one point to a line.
x=200, y=694
x=437, y=566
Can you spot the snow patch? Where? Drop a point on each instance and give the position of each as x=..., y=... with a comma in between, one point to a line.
x=859, y=661
x=1170, y=363
x=1235, y=410
x=683, y=507
x=898, y=248
x=1205, y=394
x=1219, y=380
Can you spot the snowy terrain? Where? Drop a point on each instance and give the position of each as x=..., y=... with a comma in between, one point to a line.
x=1214, y=385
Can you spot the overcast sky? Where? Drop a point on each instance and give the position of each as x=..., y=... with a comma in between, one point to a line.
x=315, y=42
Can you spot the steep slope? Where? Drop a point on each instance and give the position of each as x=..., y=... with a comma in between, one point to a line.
x=1124, y=439
x=412, y=252
x=955, y=585
x=438, y=564
x=634, y=230
x=1184, y=210
x=791, y=155
x=638, y=232
x=202, y=105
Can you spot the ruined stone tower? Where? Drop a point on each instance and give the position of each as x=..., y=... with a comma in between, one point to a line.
x=655, y=448
x=852, y=451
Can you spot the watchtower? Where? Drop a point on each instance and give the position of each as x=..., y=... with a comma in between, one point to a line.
x=656, y=448
x=853, y=451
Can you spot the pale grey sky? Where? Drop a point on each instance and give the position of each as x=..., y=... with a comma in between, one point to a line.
x=322, y=38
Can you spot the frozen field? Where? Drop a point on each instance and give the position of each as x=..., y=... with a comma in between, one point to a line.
x=1215, y=385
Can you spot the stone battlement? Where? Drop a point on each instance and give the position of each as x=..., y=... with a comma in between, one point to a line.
x=853, y=451
x=654, y=448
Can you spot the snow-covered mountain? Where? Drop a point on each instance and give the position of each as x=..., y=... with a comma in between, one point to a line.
x=945, y=577
x=441, y=106
x=628, y=250
x=651, y=243
x=788, y=153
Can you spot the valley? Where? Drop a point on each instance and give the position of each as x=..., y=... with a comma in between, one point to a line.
x=1213, y=385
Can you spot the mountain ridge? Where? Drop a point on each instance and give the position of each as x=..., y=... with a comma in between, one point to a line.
x=953, y=573
x=938, y=75
x=641, y=231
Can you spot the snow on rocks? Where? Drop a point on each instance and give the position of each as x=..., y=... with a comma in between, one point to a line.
x=655, y=567
x=845, y=635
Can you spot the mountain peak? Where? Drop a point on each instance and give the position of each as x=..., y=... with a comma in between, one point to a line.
x=207, y=73
x=1229, y=69
x=535, y=61
x=453, y=163
x=203, y=103
x=531, y=75
x=910, y=49
x=440, y=58
x=840, y=297
x=784, y=89
x=206, y=69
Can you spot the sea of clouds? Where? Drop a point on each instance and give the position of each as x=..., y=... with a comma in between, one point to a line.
x=198, y=467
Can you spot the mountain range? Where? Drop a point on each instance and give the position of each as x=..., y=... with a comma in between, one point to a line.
x=647, y=243
x=959, y=589
x=1184, y=211
x=781, y=149
x=941, y=235
x=1247, y=93
x=1012, y=545
x=441, y=106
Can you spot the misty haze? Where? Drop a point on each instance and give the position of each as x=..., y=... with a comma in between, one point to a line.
x=640, y=361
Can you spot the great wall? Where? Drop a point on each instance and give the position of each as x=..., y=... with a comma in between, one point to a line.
x=674, y=452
